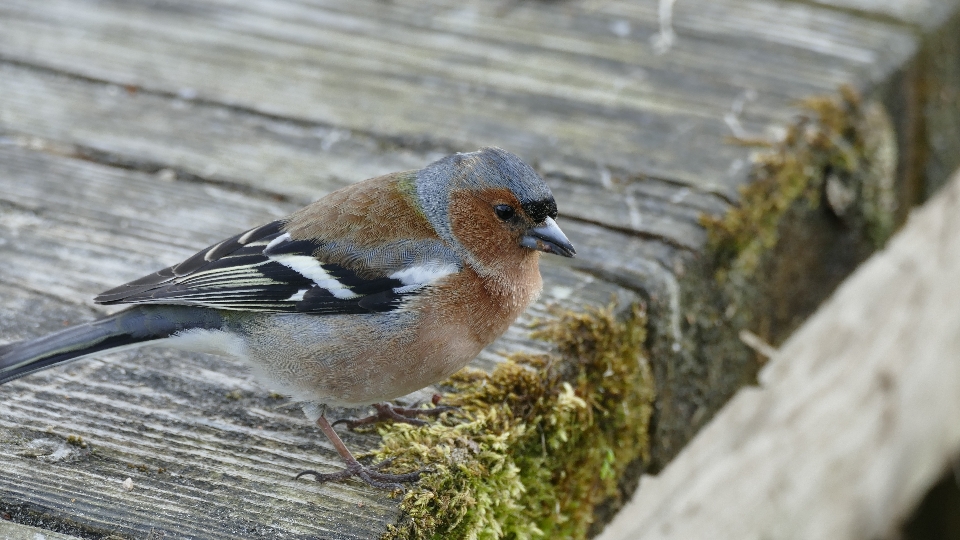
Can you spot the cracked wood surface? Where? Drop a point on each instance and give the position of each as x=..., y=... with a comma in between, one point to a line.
x=134, y=133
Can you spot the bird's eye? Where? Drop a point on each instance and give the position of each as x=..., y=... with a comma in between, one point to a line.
x=504, y=211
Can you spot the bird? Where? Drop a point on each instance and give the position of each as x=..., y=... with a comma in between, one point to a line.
x=372, y=292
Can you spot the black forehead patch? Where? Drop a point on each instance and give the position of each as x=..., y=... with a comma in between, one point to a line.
x=541, y=210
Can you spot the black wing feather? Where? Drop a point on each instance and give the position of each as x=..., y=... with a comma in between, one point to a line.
x=119, y=295
x=252, y=271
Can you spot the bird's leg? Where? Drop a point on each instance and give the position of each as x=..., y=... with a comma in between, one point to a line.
x=370, y=475
x=387, y=413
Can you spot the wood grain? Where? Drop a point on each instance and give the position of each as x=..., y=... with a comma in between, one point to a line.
x=222, y=442
x=216, y=143
x=553, y=84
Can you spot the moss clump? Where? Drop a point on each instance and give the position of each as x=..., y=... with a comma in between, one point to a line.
x=538, y=443
x=842, y=152
x=76, y=440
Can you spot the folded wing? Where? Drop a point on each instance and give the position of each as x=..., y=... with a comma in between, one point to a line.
x=266, y=270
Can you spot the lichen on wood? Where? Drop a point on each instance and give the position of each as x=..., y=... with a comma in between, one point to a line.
x=537, y=444
x=841, y=152
x=819, y=201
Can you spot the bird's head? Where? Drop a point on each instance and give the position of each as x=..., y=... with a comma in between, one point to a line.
x=492, y=206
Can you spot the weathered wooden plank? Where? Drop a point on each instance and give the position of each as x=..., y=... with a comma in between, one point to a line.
x=218, y=143
x=159, y=410
x=222, y=443
x=857, y=415
x=14, y=531
x=551, y=83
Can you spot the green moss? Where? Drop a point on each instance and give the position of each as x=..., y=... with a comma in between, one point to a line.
x=842, y=152
x=76, y=440
x=537, y=444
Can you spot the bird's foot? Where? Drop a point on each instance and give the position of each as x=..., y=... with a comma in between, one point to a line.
x=371, y=475
x=390, y=413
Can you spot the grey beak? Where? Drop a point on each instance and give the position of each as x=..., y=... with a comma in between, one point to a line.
x=549, y=239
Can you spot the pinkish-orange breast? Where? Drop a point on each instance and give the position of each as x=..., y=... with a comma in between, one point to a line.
x=466, y=313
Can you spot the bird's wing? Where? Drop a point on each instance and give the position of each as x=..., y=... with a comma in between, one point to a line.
x=266, y=270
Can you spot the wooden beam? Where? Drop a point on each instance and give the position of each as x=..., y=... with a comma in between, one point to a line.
x=855, y=418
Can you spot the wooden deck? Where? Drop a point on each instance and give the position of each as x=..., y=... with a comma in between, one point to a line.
x=134, y=133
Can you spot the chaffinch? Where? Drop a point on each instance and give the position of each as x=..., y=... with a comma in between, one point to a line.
x=374, y=291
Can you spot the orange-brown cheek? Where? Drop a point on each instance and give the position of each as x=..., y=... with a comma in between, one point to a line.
x=479, y=230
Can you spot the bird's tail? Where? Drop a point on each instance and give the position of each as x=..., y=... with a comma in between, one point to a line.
x=134, y=326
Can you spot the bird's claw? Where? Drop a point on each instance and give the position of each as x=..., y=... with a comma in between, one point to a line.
x=387, y=413
x=370, y=475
